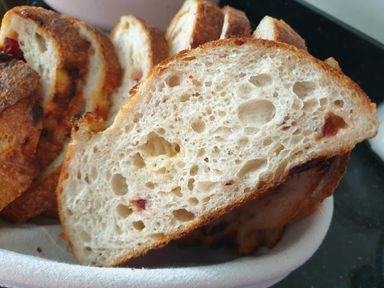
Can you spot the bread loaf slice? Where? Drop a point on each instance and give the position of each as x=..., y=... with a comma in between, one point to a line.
x=20, y=127
x=139, y=47
x=102, y=79
x=196, y=23
x=270, y=28
x=295, y=198
x=54, y=49
x=207, y=131
x=235, y=24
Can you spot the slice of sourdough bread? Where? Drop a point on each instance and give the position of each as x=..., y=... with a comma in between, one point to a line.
x=270, y=28
x=235, y=24
x=207, y=131
x=20, y=127
x=139, y=47
x=51, y=46
x=243, y=226
x=102, y=79
x=196, y=23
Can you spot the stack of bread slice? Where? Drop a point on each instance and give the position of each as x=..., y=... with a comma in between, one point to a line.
x=229, y=140
x=78, y=72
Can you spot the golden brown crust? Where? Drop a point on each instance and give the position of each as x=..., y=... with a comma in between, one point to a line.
x=35, y=201
x=159, y=46
x=330, y=182
x=72, y=55
x=267, y=186
x=238, y=23
x=20, y=128
x=208, y=24
x=286, y=34
x=112, y=70
x=17, y=81
x=73, y=49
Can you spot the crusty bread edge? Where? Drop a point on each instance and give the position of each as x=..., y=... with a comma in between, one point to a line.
x=156, y=39
x=242, y=199
x=112, y=73
x=239, y=23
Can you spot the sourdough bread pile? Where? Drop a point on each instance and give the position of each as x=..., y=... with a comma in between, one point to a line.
x=231, y=139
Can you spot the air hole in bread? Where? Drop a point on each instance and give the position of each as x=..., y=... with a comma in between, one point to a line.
x=87, y=249
x=243, y=141
x=304, y=89
x=173, y=80
x=205, y=200
x=161, y=131
x=86, y=179
x=193, y=201
x=198, y=126
x=150, y=185
x=256, y=113
x=251, y=167
x=244, y=90
x=119, y=184
x=251, y=130
x=194, y=169
x=157, y=145
x=184, y=97
x=267, y=141
x=191, y=184
x=123, y=210
x=277, y=149
x=85, y=237
x=138, y=225
x=310, y=105
x=183, y=215
x=223, y=131
x=339, y=103
x=69, y=212
x=94, y=173
x=138, y=161
x=261, y=80
x=40, y=43
x=78, y=175
x=205, y=186
x=177, y=191
x=158, y=236
x=323, y=102
x=200, y=152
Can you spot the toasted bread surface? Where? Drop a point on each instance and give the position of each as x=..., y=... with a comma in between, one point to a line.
x=20, y=128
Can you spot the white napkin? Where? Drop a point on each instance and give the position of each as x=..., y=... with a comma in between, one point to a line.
x=377, y=143
x=34, y=256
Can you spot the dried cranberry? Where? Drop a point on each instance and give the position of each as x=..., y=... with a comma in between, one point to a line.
x=136, y=75
x=230, y=182
x=332, y=125
x=11, y=46
x=141, y=203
